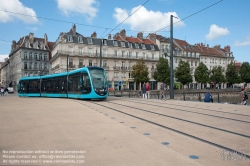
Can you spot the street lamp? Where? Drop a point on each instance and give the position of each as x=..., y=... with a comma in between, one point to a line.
x=171, y=59
x=40, y=73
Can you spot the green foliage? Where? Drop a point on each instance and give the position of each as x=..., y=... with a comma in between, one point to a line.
x=232, y=75
x=245, y=72
x=201, y=74
x=182, y=73
x=140, y=72
x=217, y=75
x=162, y=73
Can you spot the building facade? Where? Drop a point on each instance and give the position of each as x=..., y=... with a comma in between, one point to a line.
x=29, y=57
x=118, y=55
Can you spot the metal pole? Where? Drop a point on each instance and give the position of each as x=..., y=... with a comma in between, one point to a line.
x=101, y=53
x=40, y=84
x=67, y=74
x=171, y=60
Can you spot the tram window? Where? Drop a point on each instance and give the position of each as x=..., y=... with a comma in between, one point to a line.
x=86, y=87
x=33, y=86
x=74, y=83
x=43, y=89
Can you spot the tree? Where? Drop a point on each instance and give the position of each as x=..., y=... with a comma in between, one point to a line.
x=140, y=72
x=245, y=72
x=201, y=74
x=232, y=75
x=217, y=75
x=162, y=73
x=182, y=73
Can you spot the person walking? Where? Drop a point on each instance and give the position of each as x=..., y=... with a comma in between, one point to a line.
x=148, y=90
x=6, y=91
x=242, y=96
x=2, y=91
x=144, y=95
x=208, y=98
x=161, y=91
x=245, y=95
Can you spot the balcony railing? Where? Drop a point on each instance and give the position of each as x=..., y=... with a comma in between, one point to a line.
x=124, y=68
x=116, y=67
x=80, y=66
x=77, y=53
x=105, y=67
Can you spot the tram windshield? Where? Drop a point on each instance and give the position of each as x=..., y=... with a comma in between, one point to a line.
x=99, y=78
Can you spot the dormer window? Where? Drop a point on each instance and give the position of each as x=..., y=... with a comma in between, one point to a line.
x=89, y=40
x=70, y=39
x=80, y=39
x=136, y=45
x=115, y=43
x=123, y=44
x=143, y=46
x=130, y=45
x=104, y=42
x=152, y=47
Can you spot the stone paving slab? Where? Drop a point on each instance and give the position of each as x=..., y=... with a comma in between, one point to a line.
x=60, y=125
x=208, y=154
x=227, y=124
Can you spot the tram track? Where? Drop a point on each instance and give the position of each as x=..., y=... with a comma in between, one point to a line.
x=178, y=109
x=174, y=130
x=180, y=119
x=190, y=107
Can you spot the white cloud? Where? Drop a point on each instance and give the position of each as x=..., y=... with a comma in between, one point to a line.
x=17, y=7
x=85, y=7
x=2, y=57
x=145, y=20
x=244, y=43
x=216, y=32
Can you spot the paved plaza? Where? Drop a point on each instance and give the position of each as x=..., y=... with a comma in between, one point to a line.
x=122, y=132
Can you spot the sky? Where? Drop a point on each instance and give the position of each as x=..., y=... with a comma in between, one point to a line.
x=211, y=22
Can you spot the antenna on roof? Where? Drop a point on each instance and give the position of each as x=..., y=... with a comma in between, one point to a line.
x=185, y=38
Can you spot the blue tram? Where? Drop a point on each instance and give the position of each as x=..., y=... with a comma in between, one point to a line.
x=82, y=83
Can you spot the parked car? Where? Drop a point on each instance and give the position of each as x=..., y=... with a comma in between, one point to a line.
x=10, y=89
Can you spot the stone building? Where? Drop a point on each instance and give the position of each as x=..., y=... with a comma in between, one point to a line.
x=118, y=55
x=29, y=57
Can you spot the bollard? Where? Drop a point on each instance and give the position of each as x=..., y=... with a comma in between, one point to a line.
x=184, y=96
x=218, y=97
x=200, y=96
x=121, y=93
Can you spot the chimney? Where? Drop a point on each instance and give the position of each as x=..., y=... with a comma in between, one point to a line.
x=227, y=48
x=74, y=29
x=45, y=39
x=109, y=36
x=217, y=47
x=123, y=34
x=116, y=35
x=140, y=35
x=152, y=37
x=31, y=38
x=93, y=35
x=13, y=45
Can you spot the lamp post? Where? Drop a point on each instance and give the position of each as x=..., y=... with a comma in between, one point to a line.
x=101, y=53
x=40, y=73
x=67, y=75
x=171, y=59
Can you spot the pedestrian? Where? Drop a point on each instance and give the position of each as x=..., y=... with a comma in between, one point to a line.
x=208, y=98
x=161, y=91
x=144, y=95
x=245, y=95
x=148, y=90
x=2, y=91
x=242, y=96
x=6, y=91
